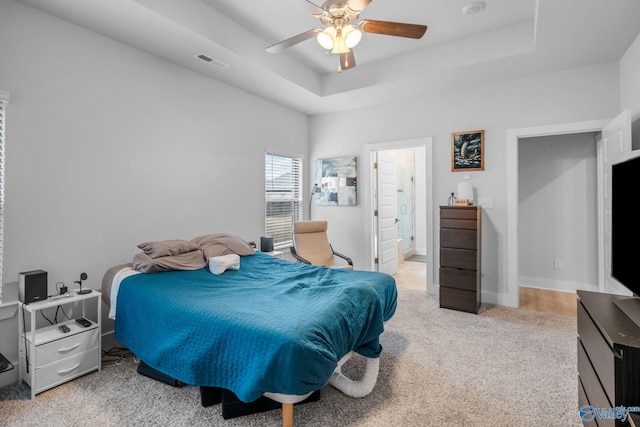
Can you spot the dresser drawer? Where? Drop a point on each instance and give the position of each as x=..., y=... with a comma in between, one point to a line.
x=66, y=369
x=595, y=395
x=458, y=258
x=464, y=224
x=458, y=239
x=65, y=347
x=582, y=395
x=459, y=279
x=458, y=213
x=458, y=299
x=600, y=353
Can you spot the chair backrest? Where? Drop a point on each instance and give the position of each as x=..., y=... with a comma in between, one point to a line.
x=311, y=243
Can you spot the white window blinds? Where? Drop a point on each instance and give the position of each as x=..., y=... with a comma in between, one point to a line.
x=283, y=196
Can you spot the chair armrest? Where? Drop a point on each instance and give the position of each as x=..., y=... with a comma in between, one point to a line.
x=346, y=258
x=298, y=257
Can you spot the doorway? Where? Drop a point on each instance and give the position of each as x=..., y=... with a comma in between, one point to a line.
x=557, y=217
x=413, y=194
x=511, y=298
x=411, y=243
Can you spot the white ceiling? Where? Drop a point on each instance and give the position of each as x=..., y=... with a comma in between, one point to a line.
x=510, y=39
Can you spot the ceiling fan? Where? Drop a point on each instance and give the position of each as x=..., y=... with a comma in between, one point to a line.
x=341, y=34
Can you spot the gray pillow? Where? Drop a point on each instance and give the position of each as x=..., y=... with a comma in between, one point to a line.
x=193, y=260
x=167, y=247
x=222, y=244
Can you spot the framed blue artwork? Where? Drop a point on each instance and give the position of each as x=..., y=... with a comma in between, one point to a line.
x=336, y=181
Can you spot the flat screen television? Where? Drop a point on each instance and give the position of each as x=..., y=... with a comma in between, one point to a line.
x=625, y=233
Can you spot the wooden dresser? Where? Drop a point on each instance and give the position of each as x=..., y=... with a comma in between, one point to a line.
x=608, y=358
x=460, y=257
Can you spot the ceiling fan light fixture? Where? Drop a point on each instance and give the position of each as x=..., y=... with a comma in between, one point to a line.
x=352, y=36
x=327, y=38
x=339, y=46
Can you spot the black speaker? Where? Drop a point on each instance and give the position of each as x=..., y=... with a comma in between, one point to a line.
x=266, y=244
x=32, y=286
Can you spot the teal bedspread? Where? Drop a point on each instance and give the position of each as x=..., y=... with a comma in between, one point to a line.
x=272, y=326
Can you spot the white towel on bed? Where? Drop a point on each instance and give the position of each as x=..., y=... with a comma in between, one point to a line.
x=222, y=263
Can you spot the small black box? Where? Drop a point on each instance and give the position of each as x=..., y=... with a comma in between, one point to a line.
x=32, y=286
x=266, y=244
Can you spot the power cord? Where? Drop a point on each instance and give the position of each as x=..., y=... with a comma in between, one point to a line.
x=46, y=318
x=62, y=289
x=24, y=332
x=63, y=312
x=116, y=356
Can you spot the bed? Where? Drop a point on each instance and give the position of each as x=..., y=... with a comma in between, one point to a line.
x=265, y=327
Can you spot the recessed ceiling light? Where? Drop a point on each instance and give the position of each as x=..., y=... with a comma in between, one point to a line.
x=474, y=8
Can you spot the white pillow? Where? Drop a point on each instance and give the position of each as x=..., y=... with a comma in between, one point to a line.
x=220, y=264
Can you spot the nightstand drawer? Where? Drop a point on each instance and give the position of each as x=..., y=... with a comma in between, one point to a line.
x=65, y=347
x=66, y=369
x=600, y=354
x=459, y=279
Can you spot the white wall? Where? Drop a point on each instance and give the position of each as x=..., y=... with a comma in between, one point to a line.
x=630, y=88
x=557, y=220
x=630, y=79
x=589, y=93
x=107, y=147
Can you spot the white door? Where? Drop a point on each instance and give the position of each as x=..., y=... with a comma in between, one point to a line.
x=387, y=207
x=613, y=147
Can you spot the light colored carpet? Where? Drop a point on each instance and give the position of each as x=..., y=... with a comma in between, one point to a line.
x=503, y=367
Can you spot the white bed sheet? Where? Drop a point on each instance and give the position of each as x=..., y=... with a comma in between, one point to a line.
x=117, y=278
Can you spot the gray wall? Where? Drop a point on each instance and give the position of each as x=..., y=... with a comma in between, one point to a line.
x=107, y=147
x=558, y=212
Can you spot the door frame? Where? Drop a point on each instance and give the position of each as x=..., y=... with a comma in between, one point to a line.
x=512, y=297
x=369, y=149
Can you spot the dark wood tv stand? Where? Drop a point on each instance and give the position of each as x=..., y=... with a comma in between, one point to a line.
x=608, y=356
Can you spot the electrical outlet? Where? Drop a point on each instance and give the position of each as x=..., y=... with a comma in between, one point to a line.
x=557, y=264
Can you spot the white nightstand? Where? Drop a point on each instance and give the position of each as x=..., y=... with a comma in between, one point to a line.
x=53, y=357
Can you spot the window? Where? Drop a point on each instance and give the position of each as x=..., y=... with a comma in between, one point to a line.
x=283, y=197
x=4, y=98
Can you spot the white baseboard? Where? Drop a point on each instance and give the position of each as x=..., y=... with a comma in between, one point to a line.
x=555, y=285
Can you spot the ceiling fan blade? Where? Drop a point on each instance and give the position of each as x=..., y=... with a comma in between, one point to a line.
x=307, y=6
x=358, y=5
x=398, y=29
x=279, y=47
x=347, y=60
